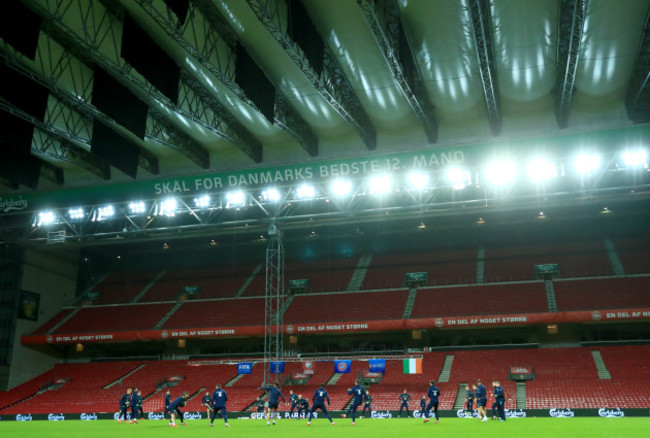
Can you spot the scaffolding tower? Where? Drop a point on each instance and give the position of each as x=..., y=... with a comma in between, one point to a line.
x=273, y=303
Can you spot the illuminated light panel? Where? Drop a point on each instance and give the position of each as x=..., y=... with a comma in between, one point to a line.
x=380, y=184
x=637, y=158
x=235, y=199
x=458, y=178
x=105, y=213
x=501, y=173
x=586, y=163
x=168, y=207
x=271, y=195
x=76, y=213
x=306, y=191
x=418, y=180
x=137, y=207
x=202, y=201
x=540, y=170
x=46, y=218
x=341, y=187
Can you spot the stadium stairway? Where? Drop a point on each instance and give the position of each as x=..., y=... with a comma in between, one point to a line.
x=119, y=379
x=480, y=265
x=335, y=378
x=410, y=302
x=445, y=372
x=521, y=395
x=360, y=272
x=601, y=368
x=169, y=314
x=550, y=295
x=249, y=280
x=459, y=403
x=145, y=289
x=64, y=320
x=234, y=380
x=614, y=259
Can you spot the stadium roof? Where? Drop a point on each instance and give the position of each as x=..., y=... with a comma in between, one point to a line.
x=120, y=89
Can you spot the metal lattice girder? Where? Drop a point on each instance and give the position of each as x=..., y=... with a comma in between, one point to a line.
x=163, y=132
x=383, y=20
x=482, y=24
x=76, y=101
x=96, y=38
x=333, y=86
x=202, y=44
x=207, y=99
x=570, y=32
x=273, y=303
x=58, y=144
x=638, y=93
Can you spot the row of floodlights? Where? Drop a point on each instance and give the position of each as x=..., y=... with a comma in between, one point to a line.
x=497, y=173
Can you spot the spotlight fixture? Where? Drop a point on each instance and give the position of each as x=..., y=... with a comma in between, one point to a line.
x=635, y=158
x=271, y=195
x=235, y=199
x=458, y=178
x=341, y=187
x=46, y=218
x=418, y=180
x=380, y=184
x=137, y=207
x=501, y=173
x=76, y=213
x=306, y=191
x=585, y=164
x=202, y=201
x=540, y=170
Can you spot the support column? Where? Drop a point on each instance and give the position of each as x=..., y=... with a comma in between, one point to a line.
x=273, y=303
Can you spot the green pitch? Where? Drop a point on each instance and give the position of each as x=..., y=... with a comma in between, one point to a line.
x=321, y=428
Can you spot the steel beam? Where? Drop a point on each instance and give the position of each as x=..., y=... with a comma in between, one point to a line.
x=333, y=86
x=57, y=144
x=97, y=33
x=383, y=20
x=570, y=33
x=482, y=26
x=638, y=93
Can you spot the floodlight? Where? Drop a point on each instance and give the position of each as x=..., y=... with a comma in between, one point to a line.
x=380, y=184
x=418, y=180
x=202, y=201
x=76, y=213
x=636, y=158
x=341, y=187
x=235, y=199
x=104, y=212
x=45, y=218
x=541, y=170
x=136, y=207
x=459, y=178
x=271, y=195
x=306, y=191
x=168, y=207
x=586, y=163
x=500, y=173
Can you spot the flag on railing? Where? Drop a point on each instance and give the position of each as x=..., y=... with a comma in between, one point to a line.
x=377, y=365
x=342, y=366
x=412, y=366
x=276, y=367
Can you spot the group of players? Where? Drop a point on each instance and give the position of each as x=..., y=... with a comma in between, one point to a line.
x=216, y=403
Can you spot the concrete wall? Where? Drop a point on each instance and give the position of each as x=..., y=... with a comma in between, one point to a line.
x=52, y=273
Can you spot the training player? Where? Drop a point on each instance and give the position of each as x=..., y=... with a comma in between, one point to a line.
x=293, y=398
x=366, y=405
x=423, y=406
x=168, y=400
x=219, y=399
x=134, y=406
x=481, y=400
x=139, y=404
x=259, y=405
x=174, y=409
x=469, y=397
x=433, y=394
x=206, y=401
x=303, y=406
x=358, y=392
x=404, y=397
x=274, y=395
x=500, y=400
x=319, y=403
x=125, y=401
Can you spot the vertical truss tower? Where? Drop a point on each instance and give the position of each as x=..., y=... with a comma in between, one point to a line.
x=273, y=303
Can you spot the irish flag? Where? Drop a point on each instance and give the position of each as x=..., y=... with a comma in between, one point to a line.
x=412, y=366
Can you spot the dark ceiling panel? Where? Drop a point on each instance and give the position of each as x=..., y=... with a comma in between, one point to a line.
x=22, y=92
x=304, y=33
x=253, y=81
x=179, y=7
x=119, y=103
x=20, y=27
x=17, y=164
x=115, y=149
x=139, y=50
